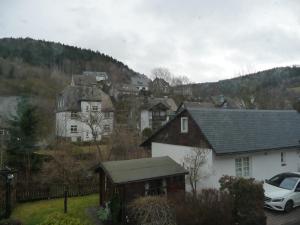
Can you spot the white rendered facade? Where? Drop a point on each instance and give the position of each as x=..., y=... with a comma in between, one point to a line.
x=74, y=125
x=262, y=165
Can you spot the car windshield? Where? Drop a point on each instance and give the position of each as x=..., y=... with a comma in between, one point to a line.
x=283, y=182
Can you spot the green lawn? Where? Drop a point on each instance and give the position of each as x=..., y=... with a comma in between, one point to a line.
x=33, y=213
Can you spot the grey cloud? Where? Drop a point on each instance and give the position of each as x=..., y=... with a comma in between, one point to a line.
x=206, y=40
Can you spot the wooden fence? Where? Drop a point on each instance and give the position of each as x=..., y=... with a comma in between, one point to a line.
x=49, y=191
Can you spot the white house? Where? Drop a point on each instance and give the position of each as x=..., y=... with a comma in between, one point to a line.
x=81, y=109
x=140, y=82
x=155, y=112
x=248, y=143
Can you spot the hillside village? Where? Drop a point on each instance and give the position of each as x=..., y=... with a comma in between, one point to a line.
x=100, y=128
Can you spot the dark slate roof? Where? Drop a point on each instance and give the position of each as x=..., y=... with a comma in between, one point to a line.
x=187, y=104
x=168, y=102
x=237, y=130
x=71, y=97
x=133, y=170
x=89, y=78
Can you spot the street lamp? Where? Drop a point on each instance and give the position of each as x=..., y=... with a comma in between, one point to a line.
x=8, y=174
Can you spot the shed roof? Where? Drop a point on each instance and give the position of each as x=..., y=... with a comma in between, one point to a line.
x=236, y=130
x=133, y=170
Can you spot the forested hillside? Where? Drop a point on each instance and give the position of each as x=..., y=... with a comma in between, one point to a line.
x=276, y=88
x=42, y=58
x=41, y=69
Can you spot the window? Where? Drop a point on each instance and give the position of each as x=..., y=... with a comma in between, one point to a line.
x=242, y=167
x=73, y=115
x=283, y=158
x=73, y=129
x=87, y=134
x=94, y=108
x=162, y=113
x=106, y=115
x=184, y=124
x=106, y=128
x=87, y=108
x=2, y=132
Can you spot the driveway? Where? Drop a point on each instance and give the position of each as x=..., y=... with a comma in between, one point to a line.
x=280, y=218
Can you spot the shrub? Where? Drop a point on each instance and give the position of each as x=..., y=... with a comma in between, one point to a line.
x=248, y=200
x=147, y=132
x=10, y=222
x=103, y=214
x=151, y=210
x=60, y=219
x=209, y=207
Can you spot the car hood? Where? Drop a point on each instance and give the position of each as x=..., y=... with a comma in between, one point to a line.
x=275, y=192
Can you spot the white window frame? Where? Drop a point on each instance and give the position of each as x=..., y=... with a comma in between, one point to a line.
x=241, y=167
x=182, y=128
x=73, y=115
x=283, y=158
x=107, y=128
x=74, y=129
x=106, y=115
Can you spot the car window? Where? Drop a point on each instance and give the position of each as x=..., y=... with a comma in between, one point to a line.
x=289, y=183
x=298, y=185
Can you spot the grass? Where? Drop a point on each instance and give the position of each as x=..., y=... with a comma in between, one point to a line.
x=33, y=213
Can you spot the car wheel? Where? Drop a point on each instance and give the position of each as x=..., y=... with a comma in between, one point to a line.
x=289, y=206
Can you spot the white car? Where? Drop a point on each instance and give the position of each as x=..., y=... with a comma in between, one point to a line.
x=282, y=192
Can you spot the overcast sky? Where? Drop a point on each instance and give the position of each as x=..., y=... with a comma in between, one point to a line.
x=205, y=40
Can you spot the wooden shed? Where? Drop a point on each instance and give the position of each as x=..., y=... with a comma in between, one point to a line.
x=134, y=178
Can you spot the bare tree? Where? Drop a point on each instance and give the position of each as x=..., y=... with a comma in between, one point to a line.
x=162, y=73
x=172, y=79
x=95, y=121
x=193, y=163
x=152, y=210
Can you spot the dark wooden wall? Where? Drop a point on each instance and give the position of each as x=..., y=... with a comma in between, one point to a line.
x=171, y=134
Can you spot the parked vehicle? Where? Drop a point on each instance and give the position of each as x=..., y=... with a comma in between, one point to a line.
x=282, y=192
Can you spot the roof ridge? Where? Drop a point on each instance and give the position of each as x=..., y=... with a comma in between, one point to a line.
x=195, y=108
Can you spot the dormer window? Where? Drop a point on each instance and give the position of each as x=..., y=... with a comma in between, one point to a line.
x=184, y=125
x=73, y=115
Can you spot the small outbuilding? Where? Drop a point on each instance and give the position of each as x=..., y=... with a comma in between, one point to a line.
x=129, y=179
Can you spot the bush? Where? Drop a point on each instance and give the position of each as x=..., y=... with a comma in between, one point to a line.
x=151, y=210
x=60, y=219
x=10, y=222
x=209, y=207
x=248, y=200
x=147, y=132
x=103, y=214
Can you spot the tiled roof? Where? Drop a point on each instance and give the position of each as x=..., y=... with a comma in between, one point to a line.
x=71, y=97
x=235, y=130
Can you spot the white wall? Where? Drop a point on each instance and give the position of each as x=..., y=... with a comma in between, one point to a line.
x=263, y=165
x=145, y=119
x=177, y=153
x=64, y=123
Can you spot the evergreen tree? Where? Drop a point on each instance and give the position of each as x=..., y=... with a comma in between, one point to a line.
x=23, y=138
